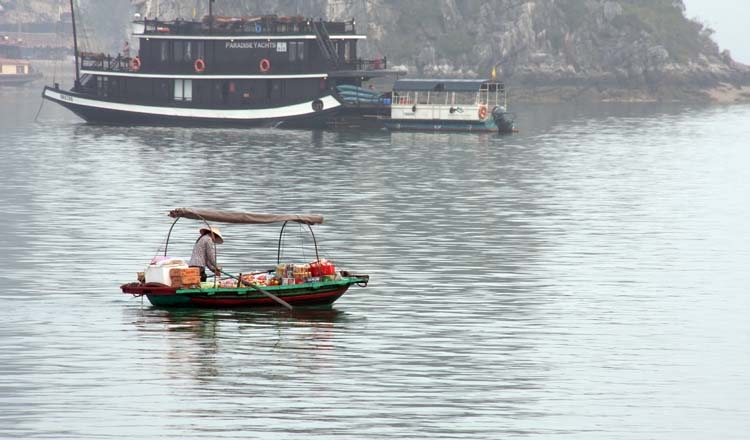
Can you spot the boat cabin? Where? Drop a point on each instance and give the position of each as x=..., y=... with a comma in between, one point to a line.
x=451, y=99
x=449, y=104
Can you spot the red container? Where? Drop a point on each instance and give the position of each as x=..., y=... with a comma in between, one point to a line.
x=315, y=269
x=328, y=268
x=321, y=268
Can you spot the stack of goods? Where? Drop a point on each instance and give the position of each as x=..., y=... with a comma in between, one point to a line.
x=324, y=269
x=317, y=271
x=189, y=278
x=290, y=273
x=229, y=283
x=263, y=279
x=256, y=279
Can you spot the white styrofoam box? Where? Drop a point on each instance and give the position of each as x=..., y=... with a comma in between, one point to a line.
x=159, y=273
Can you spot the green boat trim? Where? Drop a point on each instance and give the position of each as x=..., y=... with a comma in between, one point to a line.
x=280, y=289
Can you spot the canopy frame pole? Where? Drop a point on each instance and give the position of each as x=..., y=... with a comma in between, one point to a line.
x=166, y=244
x=281, y=235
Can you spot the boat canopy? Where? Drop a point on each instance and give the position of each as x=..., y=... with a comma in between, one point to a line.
x=440, y=85
x=244, y=217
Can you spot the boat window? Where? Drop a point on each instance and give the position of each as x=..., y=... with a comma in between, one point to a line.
x=188, y=50
x=164, y=51
x=179, y=49
x=200, y=49
x=439, y=98
x=301, y=50
x=465, y=98
x=293, y=51
x=183, y=90
x=188, y=90
x=347, y=51
x=102, y=85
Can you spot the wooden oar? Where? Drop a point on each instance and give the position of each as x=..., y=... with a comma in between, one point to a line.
x=264, y=292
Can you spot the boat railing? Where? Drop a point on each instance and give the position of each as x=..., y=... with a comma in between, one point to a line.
x=267, y=24
x=471, y=99
x=360, y=64
x=104, y=63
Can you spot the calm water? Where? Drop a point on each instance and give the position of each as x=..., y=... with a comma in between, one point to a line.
x=584, y=279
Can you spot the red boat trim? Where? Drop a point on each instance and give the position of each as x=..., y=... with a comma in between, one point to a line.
x=265, y=301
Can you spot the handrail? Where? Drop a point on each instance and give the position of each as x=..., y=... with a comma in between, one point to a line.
x=267, y=24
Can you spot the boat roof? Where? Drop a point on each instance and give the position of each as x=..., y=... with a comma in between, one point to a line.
x=13, y=61
x=244, y=217
x=440, y=85
x=256, y=26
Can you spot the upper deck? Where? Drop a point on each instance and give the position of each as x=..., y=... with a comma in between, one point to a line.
x=259, y=46
x=256, y=26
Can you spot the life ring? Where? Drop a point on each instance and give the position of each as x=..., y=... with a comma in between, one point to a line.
x=264, y=65
x=199, y=65
x=482, y=112
x=135, y=64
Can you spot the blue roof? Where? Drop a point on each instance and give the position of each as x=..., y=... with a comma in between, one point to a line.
x=440, y=85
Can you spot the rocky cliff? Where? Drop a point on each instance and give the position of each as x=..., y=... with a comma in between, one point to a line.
x=544, y=49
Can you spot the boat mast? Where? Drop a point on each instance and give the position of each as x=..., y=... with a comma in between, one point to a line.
x=77, y=84
x=210, y=17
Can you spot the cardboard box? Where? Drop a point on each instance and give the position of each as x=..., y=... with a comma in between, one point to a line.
x=180, y=277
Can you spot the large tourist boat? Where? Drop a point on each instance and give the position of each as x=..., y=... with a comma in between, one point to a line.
x=221, y=71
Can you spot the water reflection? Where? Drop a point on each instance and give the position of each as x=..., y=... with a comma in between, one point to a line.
x=203, y=338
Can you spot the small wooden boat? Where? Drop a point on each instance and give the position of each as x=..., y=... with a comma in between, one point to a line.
x=16, y=72
x=169, y=282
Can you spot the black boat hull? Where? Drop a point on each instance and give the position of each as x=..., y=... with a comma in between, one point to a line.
x=98, y=111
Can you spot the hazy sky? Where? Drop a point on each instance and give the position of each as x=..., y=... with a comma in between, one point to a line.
x=731, y=21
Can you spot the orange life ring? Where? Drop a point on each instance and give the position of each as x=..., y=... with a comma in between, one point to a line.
x=135, y=64
x=264, y=65
x=482, y=112
x=199, y=65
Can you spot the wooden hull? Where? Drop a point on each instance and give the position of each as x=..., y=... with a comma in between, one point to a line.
x=308, y=294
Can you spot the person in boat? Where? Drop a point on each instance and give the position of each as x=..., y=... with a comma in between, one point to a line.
x=126, y=50
x=204, y=251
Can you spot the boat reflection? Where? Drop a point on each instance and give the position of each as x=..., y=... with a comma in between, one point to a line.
x=209, y=344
